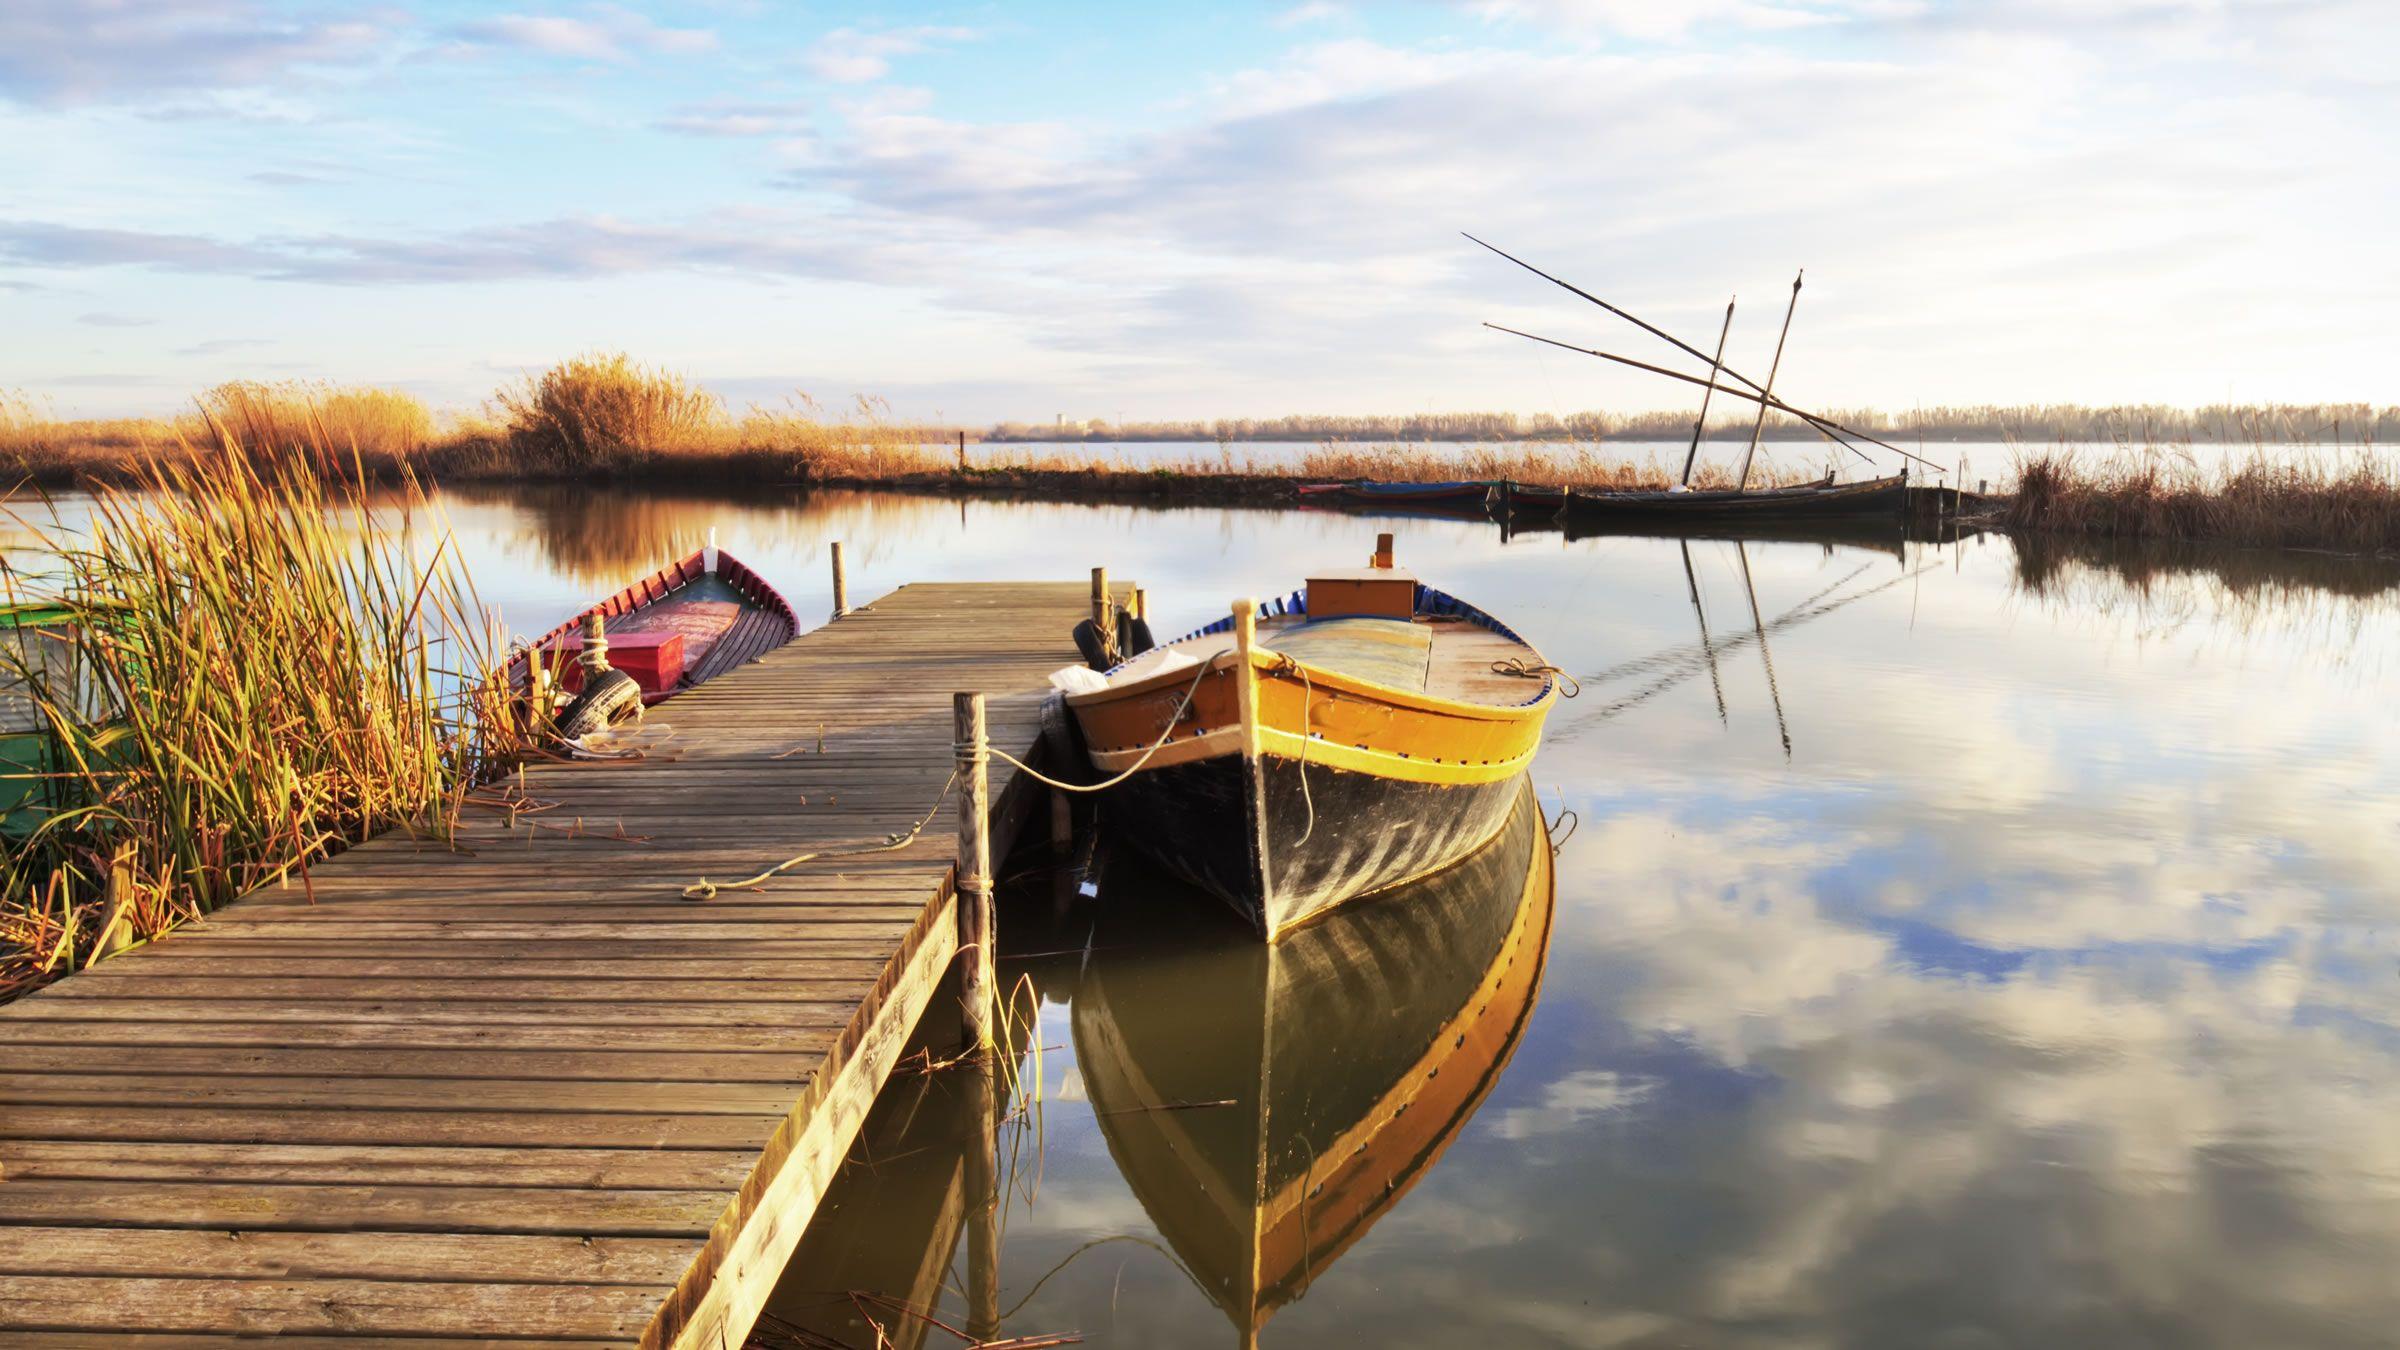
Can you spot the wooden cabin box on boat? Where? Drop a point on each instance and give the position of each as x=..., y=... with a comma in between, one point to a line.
x=1359, y=734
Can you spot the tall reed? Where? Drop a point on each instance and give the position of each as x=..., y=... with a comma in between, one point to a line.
x=601, y=410
x=2350, y=505
x=383, y=426
x=265, y=664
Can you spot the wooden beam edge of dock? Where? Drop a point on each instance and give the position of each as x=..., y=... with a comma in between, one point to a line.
x=720, y=1295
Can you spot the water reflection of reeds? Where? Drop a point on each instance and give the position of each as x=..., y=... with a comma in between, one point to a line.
x=602, y=537
x=2318, y=602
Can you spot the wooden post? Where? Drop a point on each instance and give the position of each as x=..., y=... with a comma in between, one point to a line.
x=1140, y=608
x=841, y=583
x=1062, y=822
x=595, y=646
x=974, y=869
x=1245, y=641
x=962, y=452
x=1245, y=686
x=983, y=1209
x=1103, y=615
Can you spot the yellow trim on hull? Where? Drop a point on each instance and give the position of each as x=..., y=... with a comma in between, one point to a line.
x=1304, y=713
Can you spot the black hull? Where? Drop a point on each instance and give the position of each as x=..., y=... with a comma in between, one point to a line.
x=1885, y=499
x=1319, y=838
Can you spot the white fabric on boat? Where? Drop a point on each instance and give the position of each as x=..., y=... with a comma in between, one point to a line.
x=1156, y=661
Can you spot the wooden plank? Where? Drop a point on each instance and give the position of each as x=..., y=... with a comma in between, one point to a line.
x=255, y=1254
x=452, y=987
x=676, y=1096
x=197, y=1340
x=391, y=1165
x=552, y=1210
x=718, y=1014
x=306, y=1033
x=272, y=1125
x=270, y=1307
x=182, y=1061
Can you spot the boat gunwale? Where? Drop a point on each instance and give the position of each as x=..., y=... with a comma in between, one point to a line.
x=640, y=595
x=1270, y=660
x=1806, y=492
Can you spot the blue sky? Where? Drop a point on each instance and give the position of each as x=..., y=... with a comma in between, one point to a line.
x=986, y=212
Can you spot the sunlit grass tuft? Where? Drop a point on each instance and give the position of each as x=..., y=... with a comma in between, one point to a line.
x=601, y=411
x=385, y=427
x=263, y=664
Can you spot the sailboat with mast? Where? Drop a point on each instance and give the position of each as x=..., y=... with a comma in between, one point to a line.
x=1883, y=497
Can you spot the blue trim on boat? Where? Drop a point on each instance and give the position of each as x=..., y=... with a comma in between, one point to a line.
x=1429, y=601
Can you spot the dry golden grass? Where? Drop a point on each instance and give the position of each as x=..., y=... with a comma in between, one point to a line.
x=249, y=667
x=2351, y=506
x=383, y=427
x=36, y=446
x=607, y=411
x=1583, y=466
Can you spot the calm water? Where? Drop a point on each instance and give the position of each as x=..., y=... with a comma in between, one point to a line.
x=1957, y=948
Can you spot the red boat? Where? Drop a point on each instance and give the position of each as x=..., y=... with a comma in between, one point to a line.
x=682, y=625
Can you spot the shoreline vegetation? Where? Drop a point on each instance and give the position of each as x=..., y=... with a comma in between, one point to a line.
x=2120, y=472
x=257, y=658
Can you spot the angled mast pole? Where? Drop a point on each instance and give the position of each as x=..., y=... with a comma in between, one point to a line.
x=1767, y=391
x=1715, y=364
x=1820, y=423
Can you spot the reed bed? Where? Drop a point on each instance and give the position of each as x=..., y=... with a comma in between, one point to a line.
x=384, y=427
x=261, y=664
x=1583, y=466
x=2349, y=505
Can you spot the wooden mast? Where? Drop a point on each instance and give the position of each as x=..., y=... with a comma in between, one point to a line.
x=1715, y=364
x=1767, y=391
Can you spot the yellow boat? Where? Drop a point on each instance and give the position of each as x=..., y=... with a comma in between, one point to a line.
x=1269, y=1105
x=1362, y=733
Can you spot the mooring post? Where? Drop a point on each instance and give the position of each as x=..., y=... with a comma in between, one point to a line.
x=1104, y=618
x=983, y=1200
x=974, y=869
x=841, y=583
x=1140, y=605
x=962, y=452
x=594, y=658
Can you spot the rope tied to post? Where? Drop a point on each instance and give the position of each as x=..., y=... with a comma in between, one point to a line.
x=704, y=889
x=1523, y=669
x=1167, y=733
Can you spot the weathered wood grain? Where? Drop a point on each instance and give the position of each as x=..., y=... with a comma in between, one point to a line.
x=518, y=1090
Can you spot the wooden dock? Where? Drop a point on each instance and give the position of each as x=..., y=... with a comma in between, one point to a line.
x=525, y=1091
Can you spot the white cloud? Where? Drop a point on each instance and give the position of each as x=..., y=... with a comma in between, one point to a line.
x=1313, y=11
x=737, y=119
x=609, y=35
x=860, y=56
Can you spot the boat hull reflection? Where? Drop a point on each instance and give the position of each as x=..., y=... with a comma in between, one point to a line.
x=1269, y=1104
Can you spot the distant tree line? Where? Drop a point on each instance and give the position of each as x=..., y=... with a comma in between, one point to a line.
x=2130, y=424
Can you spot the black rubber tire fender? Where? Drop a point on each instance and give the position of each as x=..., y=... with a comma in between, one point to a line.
x=608, y=698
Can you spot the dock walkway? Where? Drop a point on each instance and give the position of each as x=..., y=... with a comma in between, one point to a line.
x=525, y=1090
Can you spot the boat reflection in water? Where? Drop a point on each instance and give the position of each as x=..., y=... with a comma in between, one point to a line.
x=1268, y=1104
x=1265, y=1105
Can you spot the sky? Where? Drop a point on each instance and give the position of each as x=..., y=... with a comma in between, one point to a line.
x=985, y=212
